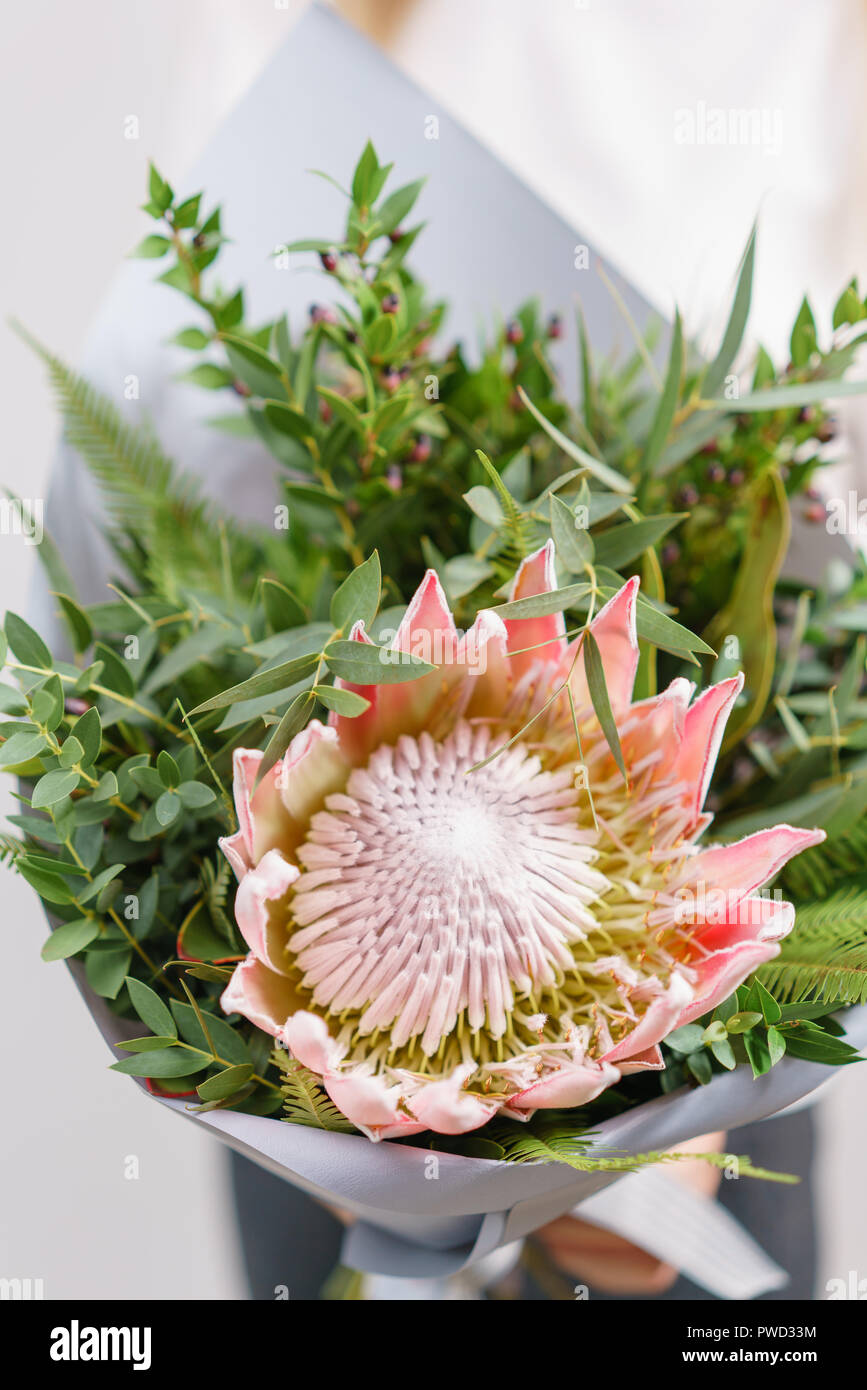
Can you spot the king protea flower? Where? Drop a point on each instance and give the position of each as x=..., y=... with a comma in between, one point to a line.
x=441, y=934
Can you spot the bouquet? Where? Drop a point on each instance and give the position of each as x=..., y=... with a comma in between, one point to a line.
x=501, y=804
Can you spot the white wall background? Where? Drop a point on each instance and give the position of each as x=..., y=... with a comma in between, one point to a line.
x=580, y=97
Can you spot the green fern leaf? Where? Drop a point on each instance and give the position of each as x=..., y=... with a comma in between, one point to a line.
x=305, y=1102
x=815, y=873
x=518, y=528
x=166, y=530
x=551, y=1142
x=825, y=956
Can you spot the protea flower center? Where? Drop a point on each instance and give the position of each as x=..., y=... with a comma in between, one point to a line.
x=459, y=907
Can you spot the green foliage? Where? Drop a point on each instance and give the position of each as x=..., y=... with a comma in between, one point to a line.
x=305, y=1101
x=552, y=1139
x=825, y=956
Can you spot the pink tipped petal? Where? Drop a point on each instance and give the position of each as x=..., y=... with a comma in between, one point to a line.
x=264, y=997
x=651, y=1060
x=575, y=1083
x=312, y=768
x=359, y=735
x=404, y=1127
x=615, y=632
x=651, y=728
x=264, y=933
x=428, y=632
x=545, y=637
x=308, y=1038
x=367, y=1101
x=722, y=973
x=756, y=918
x=235, y=849
x=702, y=735
x=738, y=869
x=446, y=1108
x=662, y=1015
x=262, y=823
x=482, y=657
x=428, y=628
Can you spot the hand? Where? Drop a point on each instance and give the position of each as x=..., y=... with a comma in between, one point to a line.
x=606, y=1261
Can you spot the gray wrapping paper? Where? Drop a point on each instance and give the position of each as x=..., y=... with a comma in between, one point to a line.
x=415, y=1218
x=423, y=1215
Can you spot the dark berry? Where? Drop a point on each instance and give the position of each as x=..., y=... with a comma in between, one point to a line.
x=391, y=379
x=670, y=553
x=715, y=472
x=396, y=236
x=688, y=495
x=390, y=304
x=320, y=313
x=555, y=326
x=736, y=477
x=826, y=431
x=420, y=452
x=394, y=478
x=514, y=332
x=806, y=414
x=709, y=448
x=815, y=513
x=329, y=260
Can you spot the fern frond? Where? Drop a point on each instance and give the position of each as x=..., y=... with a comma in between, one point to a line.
x=519, y=531
x=159, y=513
x=305, y=1102
x=10, y=849
x=215, y=884
x=555, y=1143
x=825, y=956
x=814, y=873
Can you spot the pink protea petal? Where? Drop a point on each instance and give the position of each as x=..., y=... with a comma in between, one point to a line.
x=573, y=1084
x=704, y=727
x=428, y=628
x=616, y=636
x=482, y=657
x=309, y=1039
x=259, y=994
x=653, y=727
x=720, y=976
x=756, y=918
x=235, y=849
x=426, y=631
x=615, y=632
x=651, y=1060
x=371, y=1104
x=662, y=1015
x=313, y=767
x=447, y=1108
x=545, y=636
x=737, y=869
x=262, y=823
x=359, y=735
x=265, y=933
